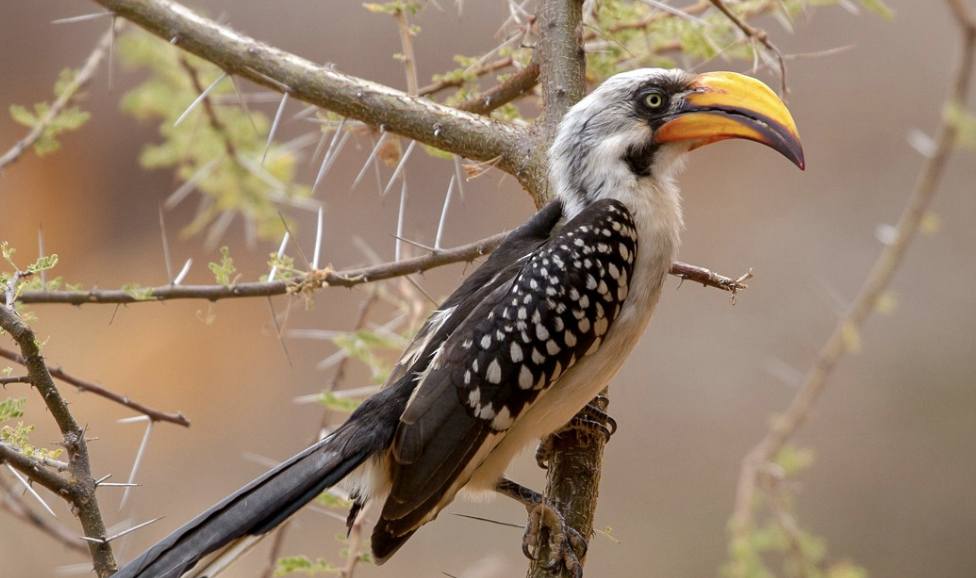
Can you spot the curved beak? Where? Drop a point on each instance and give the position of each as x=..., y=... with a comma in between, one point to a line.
x=724, y=105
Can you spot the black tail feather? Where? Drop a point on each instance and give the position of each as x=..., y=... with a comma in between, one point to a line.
x=263, y=504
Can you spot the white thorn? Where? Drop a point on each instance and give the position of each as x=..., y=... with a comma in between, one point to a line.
x=887, y=234
x=318, y=241
x=183, y=190
x=122, y=533
x=219, y=227
x=399, y=168
x=274, y=125
x=331, y=155
x=183, y=272
x=162, y=232
x=134, y=419
x=459, y=173
x=200, y=98
x=921, y=142
x=369, y=160
x=82, y=18
x=31, y=490
x=447, y=203
x=243, y=103
x=281, y=251
x=136, y=463
x=403, y=205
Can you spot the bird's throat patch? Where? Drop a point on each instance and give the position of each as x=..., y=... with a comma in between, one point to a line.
x=640, y=158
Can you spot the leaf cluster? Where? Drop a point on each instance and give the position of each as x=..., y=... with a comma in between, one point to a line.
x=219, y=148
x=778, y=536
x=52, y=121
x=19, y=437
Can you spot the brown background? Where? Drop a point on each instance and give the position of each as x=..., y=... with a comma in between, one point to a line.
x=894, y=482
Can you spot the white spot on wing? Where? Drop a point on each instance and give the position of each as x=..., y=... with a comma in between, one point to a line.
x=503, y=419
x=525, y=377
x=516, y=353
x=494, y=372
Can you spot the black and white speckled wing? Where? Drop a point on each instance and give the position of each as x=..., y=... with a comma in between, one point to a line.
x=555, y=306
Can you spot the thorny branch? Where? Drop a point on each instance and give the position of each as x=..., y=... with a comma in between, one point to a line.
x=16, y=506
x=80, y=488
x=756, y=464
x=82, y=385
x=314, y=280
x=447, y=128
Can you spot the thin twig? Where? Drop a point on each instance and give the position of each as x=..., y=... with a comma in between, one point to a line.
x=709, y=278
x=406, y=43
x=316, y=280
x=505, y=92
x=444, y=127
x=876, y=283
x=82, y=385
x=757, y=34
x=458, y=81
x=16, y=506
x=67, y=96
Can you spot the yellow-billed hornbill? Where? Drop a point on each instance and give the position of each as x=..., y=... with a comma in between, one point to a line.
x=528, y=339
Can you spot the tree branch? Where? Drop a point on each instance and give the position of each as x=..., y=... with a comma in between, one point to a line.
x=81, y=488
x=462, y=133
x=314, y=280
x=785, y=426
x=514, y=86
x=12, y=503
x=156, y=415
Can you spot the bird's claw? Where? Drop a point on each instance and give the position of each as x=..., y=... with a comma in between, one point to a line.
x=590, y=420
x=566, y=545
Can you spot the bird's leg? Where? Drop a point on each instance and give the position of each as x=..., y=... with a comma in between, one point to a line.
x=546, y=522
x=591, y=419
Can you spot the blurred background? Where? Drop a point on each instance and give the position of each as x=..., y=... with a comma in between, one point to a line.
x=893, y=484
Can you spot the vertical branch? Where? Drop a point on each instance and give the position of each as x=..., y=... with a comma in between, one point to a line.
x=562, y=61
x=576, y=461
x=562, y=68
x=83, y=499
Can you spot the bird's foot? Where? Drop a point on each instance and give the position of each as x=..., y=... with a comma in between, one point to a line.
x=590, y=420
x=546, y=527
x=566, y=545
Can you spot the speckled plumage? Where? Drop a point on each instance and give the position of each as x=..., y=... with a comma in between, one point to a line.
x=520, y=347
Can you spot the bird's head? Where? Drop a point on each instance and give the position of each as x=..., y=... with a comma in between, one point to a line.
x=638, y=125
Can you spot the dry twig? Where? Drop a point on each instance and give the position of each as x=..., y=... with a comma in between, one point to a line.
x=82, y=385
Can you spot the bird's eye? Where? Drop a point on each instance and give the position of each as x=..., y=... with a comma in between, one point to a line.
x=654, y=100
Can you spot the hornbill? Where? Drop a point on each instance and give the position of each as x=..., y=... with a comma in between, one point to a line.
x=527, y=340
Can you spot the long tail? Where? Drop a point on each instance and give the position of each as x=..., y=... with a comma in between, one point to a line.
x=236, y=523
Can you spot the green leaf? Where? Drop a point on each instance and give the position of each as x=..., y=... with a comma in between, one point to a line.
x=10, y=408
x=138, y=292
x=224, y=271
x=23, y=116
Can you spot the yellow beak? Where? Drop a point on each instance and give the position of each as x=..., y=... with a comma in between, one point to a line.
x=724, y=105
